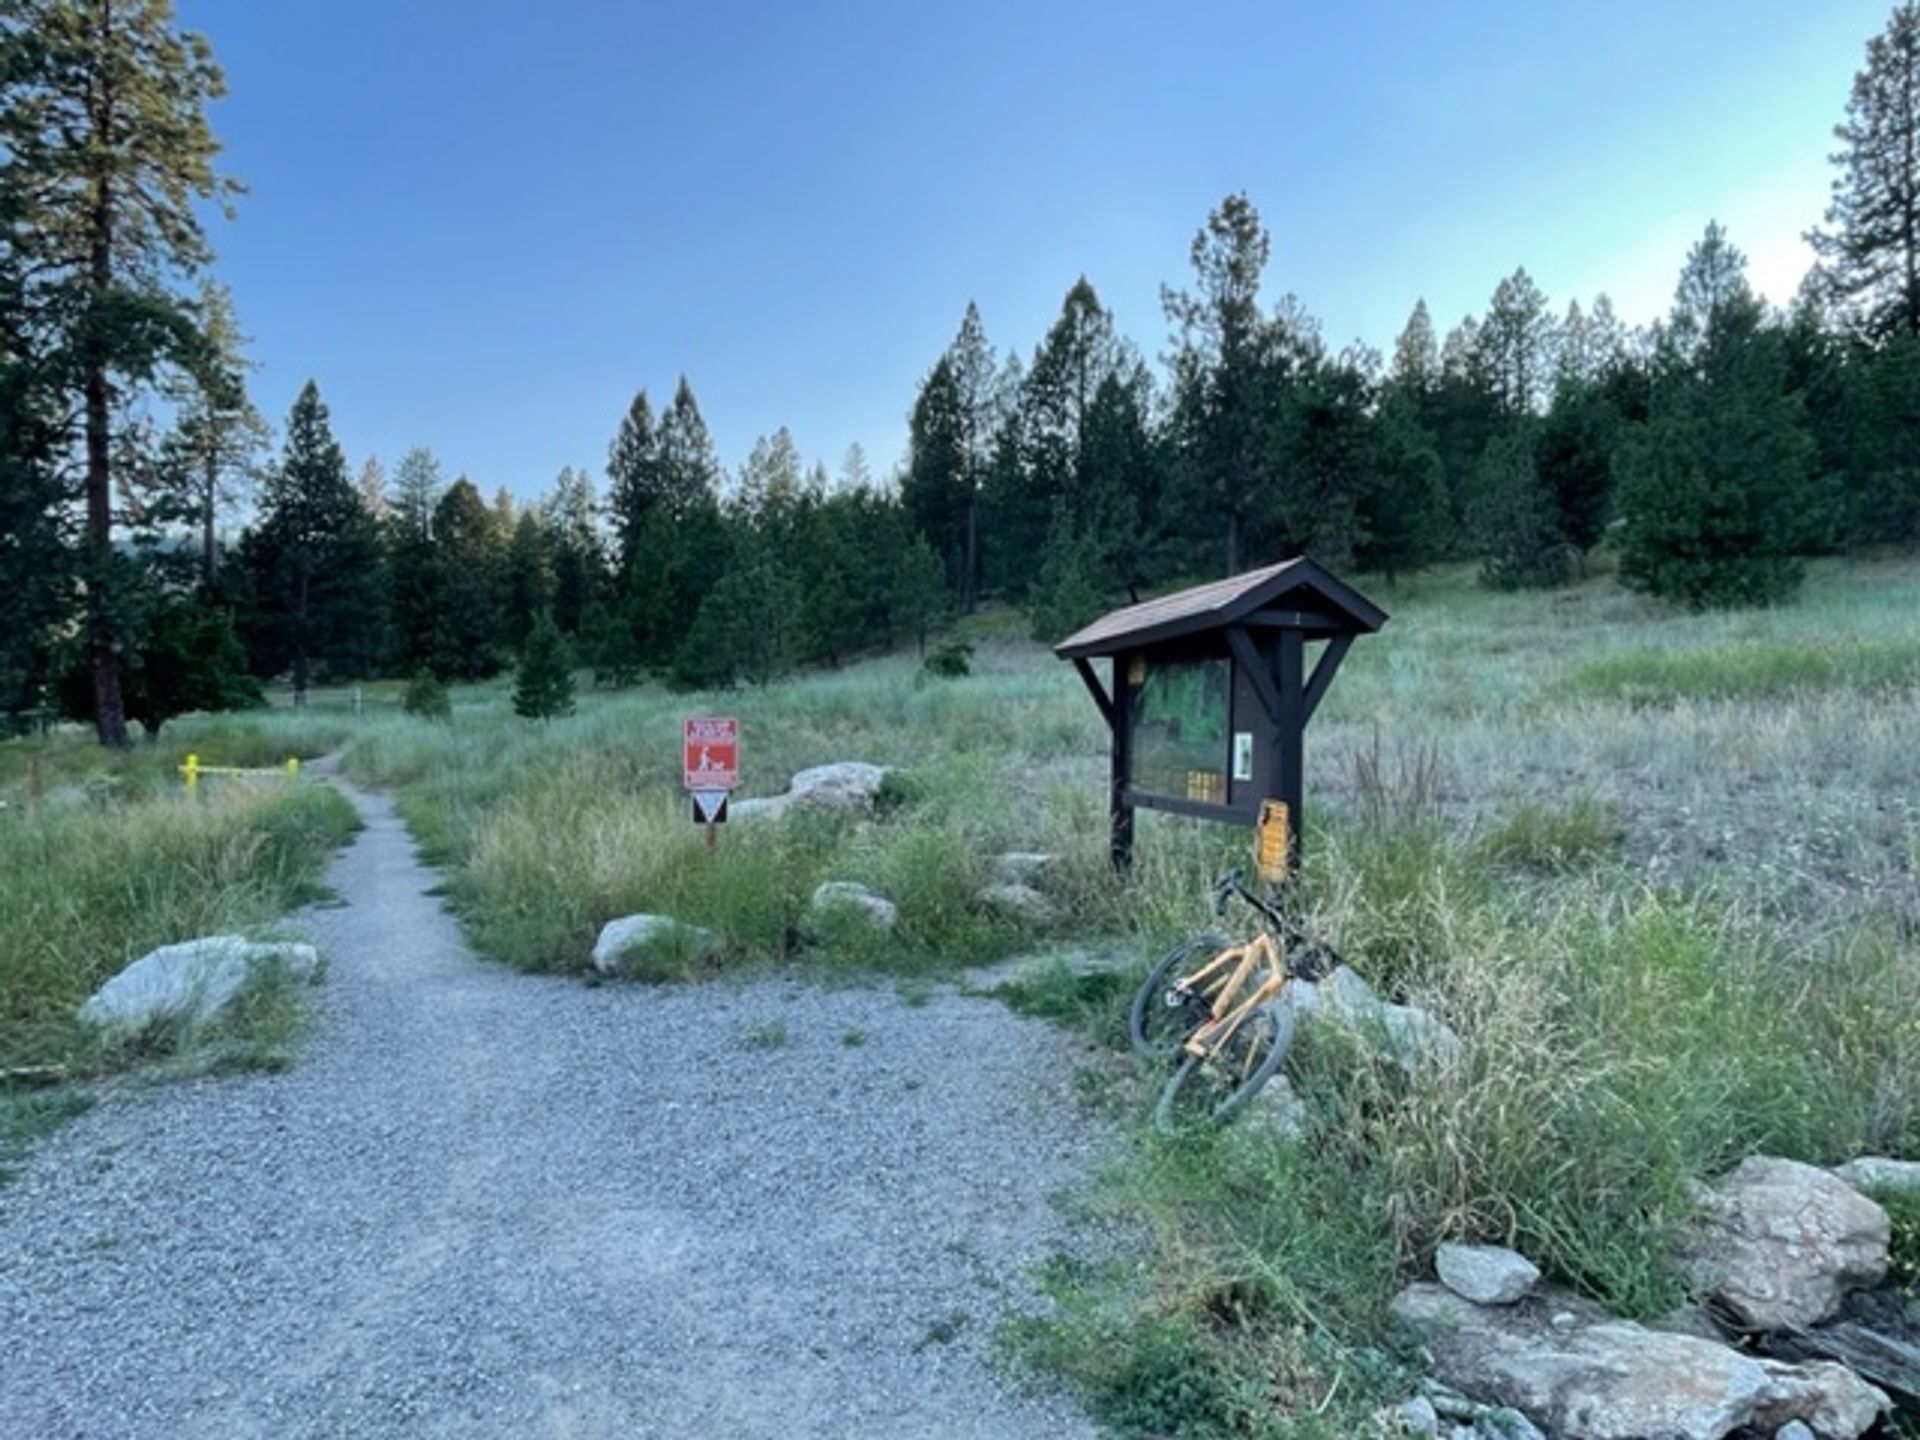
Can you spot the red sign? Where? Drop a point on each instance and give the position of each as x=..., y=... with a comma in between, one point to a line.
x=711, y=748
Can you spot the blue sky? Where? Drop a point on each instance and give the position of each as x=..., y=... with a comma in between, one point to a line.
x=481, y=226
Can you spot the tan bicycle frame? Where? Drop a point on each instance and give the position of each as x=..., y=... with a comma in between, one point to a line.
x=1230, y=1012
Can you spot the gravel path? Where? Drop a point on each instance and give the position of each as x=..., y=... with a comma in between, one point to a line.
x=492, y=1204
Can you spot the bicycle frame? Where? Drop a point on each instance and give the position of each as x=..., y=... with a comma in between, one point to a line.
x=1229, y=1007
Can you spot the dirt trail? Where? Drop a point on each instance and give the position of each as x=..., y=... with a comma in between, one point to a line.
x=491, y=1204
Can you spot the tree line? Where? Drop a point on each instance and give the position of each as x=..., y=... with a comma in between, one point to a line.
x=1715, y=448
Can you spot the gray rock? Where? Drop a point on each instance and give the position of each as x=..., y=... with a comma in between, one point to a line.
x=1794, y=1430
x=844, y=897
x=1020, y=902
x=1417, y=1416
x=1605, y=1379
x=1779, y=1244
x=1280, y=1109
x=1485, y=1274
x=192, y=982
x=627, y=944
x=1877, y=1172
x=1079, y=961
x=1413, y=1037
x=848, y=787
x=1022, y=867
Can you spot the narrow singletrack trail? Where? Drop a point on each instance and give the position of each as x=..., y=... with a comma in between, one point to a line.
x=483, y=1203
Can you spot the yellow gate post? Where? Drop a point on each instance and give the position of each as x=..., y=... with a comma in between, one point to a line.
x=191, y=769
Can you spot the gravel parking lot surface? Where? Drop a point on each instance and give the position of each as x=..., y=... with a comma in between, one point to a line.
x=491, y=1204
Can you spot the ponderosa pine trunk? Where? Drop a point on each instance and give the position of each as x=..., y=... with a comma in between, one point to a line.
x=103, y=649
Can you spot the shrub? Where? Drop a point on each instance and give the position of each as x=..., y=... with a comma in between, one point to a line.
x=950, y=660
x=426, y=698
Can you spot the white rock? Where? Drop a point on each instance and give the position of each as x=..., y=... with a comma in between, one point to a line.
x=1485, y=1274
x=1606, y=1379
x=1022, y=867
x=1794, y=1430
x=1021, y=902
x=850, y=786
x=1779, y=1244
x=192, y=982
x=1877, y=1172
x=844, y=897
x=634, y=937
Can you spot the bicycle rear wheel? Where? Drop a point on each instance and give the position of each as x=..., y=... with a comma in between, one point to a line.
x=1160, y=1017
x=1214, y=1088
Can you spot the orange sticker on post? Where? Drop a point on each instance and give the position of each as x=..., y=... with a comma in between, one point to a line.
x=1273, y=841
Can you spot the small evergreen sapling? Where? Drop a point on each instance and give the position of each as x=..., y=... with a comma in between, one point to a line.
x=544, y=686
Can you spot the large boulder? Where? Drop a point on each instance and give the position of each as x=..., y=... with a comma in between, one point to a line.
x=1579, y=1374
x=837, y=901
x=192, y=982
x=649, y=946
x=1778, y=1245
x=1485, y=1274
x=850, y=787
x=1412, y=1036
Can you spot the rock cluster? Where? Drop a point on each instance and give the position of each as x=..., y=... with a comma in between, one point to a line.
x=192, y=982
x=1776, y=1246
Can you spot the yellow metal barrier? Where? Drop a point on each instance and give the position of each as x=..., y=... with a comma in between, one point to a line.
x=191, y=770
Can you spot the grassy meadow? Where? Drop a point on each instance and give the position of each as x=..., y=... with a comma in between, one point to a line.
x=1660, y=870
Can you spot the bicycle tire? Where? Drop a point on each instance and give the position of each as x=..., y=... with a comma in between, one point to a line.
x=1150, y=1041
x=1167, y=1116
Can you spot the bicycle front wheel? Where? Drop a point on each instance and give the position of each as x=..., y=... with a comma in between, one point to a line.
x=1213, y=1088
x=1161, y=1017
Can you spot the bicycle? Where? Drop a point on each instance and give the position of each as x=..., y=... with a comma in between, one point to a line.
x=1223, y=1019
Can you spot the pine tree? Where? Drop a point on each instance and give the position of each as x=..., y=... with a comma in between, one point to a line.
x=1517, y=539
x=107, y=153
x=1403, y=504
x=1416, y=355
x=1221, y=376
x=373, y=490
x=936, y=486
x=689, y=475
x=543, y=685
x=578, y=561
x=1516, y=343
x=469, y=615
x=1713, y=486
x=1066, y=592
x=979, y=397
x=314, y=558
x=211, y=458
x=413, y=568
x=37, y=568
x=1870, y=257
x=915, y=594
x=633, y=480
x=529, y=577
